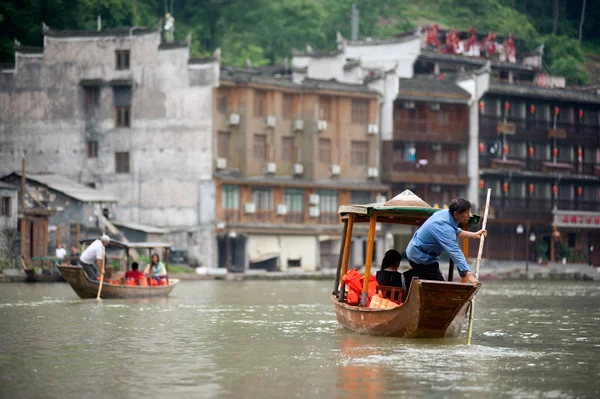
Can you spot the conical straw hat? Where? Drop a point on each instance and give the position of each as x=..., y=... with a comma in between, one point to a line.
x=407, y=198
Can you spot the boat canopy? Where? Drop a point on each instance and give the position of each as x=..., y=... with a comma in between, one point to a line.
x=130, y=245
x=405, y=208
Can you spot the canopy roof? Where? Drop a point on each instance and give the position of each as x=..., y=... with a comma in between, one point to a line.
x=405, y=208
x=130, y=245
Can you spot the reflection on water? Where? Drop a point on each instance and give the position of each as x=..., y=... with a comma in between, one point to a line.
x=264, y=339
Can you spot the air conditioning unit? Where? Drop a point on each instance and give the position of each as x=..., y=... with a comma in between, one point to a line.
x=298, y=169
x=373, y=173
x=313, y=199
x=250, y=207
x=335, y=170
x=373, y=128
x=321, y=125
x=298, y=125
x=314, y=212
x=380, y=198
x=234, y=119
x=271, y=121
x=281, y=209
x=435, y=106
x=221, y=163
x=271, y=167
x=409, y=104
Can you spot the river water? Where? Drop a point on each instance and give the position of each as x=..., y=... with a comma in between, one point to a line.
x=267, y=339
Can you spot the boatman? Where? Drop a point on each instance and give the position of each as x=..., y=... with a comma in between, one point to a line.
x=94, y=255
x=439, y=234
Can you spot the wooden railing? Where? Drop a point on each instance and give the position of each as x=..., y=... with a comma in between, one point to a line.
x=432, y=168
x=328, y=218
x=429, y=130
x=294, y=218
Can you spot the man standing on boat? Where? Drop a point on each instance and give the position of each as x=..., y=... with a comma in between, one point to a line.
x=439, y=234
x=94, y=253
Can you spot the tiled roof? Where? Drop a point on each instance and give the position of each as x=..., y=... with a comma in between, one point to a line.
x=7, y=66
x=7, y=186
x=463, y=59
x=541, y=92
x=172, y=45
x=376, y=42
x=125, y=31
x=432, y=89
x=317, y=53
x=29, y=49
x=335, y=85
x=351, y=64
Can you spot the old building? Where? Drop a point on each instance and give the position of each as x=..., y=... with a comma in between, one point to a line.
x=123, y=111
x=9, y=248
x=286, y=155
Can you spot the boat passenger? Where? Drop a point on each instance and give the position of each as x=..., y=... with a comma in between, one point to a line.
x=156, y=269
x=134, y=273
x=439, y=234
x=388, y=275
x=74, y=256
x=94, y=253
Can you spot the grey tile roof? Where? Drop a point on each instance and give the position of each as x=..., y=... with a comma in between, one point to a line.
x=546, y=93
x=351, y=64
x=432, y=90
x=70, y=188
x=463, y=59
x=7, y=65
x=29, y=49
x=7, y=186
x=317, y=53
x=376, y=42
x=124, y=31
x=335, y=86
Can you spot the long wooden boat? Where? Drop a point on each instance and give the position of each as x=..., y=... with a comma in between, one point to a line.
x=432, y=309
x=88, y=289
x=33, y=277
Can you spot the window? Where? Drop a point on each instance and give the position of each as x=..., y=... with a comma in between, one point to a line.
x=122, y=162
x=122, y=59
x=5, y=206
x=260, y=103
x=222, y=100
x=360, y=111
x=288, y=106
x=223, y=140
x=91, y=97
x=541, y=151
x=443, y=117
x=325, y=150
x=92, y=149
x=361, y=197
x=287, y=148
x=231, y=197
x=293, y=198
x=328, y=206
x=263, y=198
x=259, y=147
x=90, y=185
x=122, y=100
x=565, y=153
x=325, y=108
x=360, y=153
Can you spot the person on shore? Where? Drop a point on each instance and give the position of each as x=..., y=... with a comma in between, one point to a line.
x=134, y=273
x=155, y=269
x=60, y=254
x=439, y=234
x=94, y=253
x=74, y=256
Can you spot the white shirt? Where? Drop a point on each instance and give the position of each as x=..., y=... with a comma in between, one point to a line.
x=60, y=253
x=92, y=253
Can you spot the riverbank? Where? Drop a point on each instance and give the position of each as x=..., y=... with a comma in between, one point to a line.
x=489, y=271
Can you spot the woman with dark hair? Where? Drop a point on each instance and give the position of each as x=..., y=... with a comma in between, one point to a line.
x=388, y=275
x=155, y=269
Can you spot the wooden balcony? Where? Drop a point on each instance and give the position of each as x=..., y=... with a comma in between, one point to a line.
x=329, y=218
x=539, y=165
x=294, y=218
x=402, y=171
x=263, y=215
x=231, y=215
x=429, y=131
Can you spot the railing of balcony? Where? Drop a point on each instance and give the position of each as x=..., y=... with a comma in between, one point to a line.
x=263, y=215
x=536, y=165
x=294, y=218
x=535, y=128
x=328, y=218
x=231, y=215
x=404, y=166
x=431, y=130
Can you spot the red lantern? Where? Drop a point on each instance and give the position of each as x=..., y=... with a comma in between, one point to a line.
x=531, y=152
x=481, y=148
x=580, y=114
x=481, y=106
x=481, y=183
x=555, y=152
x=579, y=153
x=531, y=188
x=579, y=191
x=556, y=111
x=505, y=187
x=554, y=190
x=507, y=105
x=532, y=109
x=505, y=149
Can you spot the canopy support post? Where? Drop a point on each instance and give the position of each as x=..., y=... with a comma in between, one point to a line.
x=369, y=260
x=339, y=266
x=347, y=242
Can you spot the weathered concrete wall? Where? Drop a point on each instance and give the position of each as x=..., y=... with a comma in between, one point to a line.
x=10, y=221
x=43, y=119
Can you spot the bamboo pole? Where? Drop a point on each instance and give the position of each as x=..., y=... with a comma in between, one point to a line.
x=102, y=274
x=369, y=260
x=23, y=218
x=482, y=240
x=347, y=243
x=339, y=267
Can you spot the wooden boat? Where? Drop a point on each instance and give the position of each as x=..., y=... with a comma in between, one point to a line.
x=49, y=273
x=432, y=309
x=33, y=277
x=87, y=288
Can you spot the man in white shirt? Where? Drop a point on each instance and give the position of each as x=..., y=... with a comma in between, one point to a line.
x=60, y=254
x=94, y=253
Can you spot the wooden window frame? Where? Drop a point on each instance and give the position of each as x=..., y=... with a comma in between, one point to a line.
x=223, y=143
x=360, y=111
x=5, y=206
x=288, y=106
x=92, y=149
x=123, y=116
x=260, y=103
x=122, y=162
x=122, y=59
x=324, y=153
x=325, y=108
x=287, y=148
x=359, y=153
x=259, y=150
x=91, y=97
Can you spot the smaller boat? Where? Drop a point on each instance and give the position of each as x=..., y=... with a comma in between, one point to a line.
x=47, y=275
x=86, y=288
x=432, y=309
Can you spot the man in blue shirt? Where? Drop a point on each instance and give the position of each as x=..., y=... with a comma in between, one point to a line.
x=439, y=234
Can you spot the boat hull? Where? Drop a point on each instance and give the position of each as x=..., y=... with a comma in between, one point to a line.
x=88, y=289
x=433, y=309
x=33, y=277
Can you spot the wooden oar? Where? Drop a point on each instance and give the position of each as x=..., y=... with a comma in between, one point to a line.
x=482, y=240
x=101, y=275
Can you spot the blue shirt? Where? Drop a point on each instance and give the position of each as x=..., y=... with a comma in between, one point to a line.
x=437, y=234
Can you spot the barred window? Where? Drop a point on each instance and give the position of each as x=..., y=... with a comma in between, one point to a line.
x=231, y=197
x=223, y=140
x=325, y=108
x=324, y=150
x=259, y=147
x=287, y=148
x=294, y=199
x=92, y=149
x=263, y=198
x=328, y=201
x=122, y=59
x=122, y=162
x=260, y=103
x=360, y=111
x=360, y=153
x=288, y=106
x=5, y=206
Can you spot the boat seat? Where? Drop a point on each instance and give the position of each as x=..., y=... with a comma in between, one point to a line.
x=394, y=294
